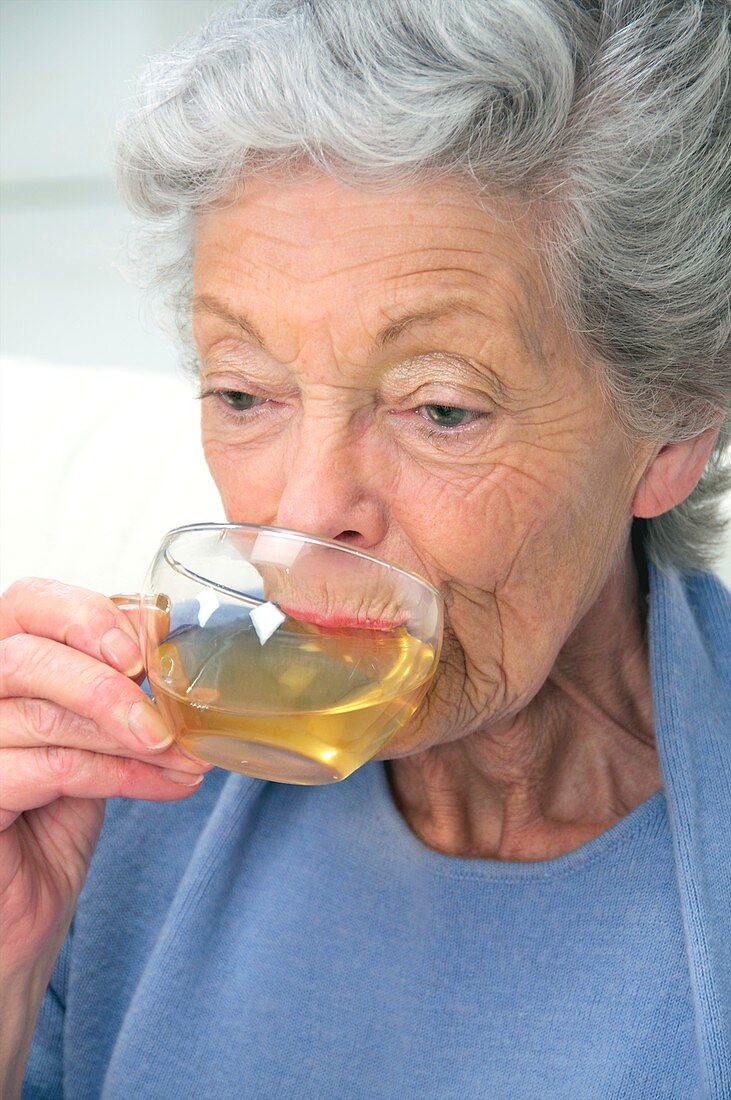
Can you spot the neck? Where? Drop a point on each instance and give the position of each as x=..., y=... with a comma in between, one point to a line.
x=579, y=757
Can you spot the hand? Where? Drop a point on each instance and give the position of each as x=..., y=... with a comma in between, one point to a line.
x=75, y=729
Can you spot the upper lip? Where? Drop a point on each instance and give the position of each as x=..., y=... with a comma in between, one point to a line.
x=343, y=618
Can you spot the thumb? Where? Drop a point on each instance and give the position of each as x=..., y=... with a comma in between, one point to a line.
x=149, y=618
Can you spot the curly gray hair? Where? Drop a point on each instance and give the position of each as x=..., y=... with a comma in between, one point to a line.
x=612, y=114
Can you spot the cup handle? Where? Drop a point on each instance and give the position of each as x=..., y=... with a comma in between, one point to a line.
x=126, y=602
x=131, y=602
x=156, y=624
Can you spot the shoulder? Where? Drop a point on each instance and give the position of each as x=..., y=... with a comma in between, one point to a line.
x=690, y=652
x=690, y=626
x=709, y=601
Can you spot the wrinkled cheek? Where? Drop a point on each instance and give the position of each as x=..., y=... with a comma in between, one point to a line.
x=497, y=528
x=507, y=597
x=545, y=555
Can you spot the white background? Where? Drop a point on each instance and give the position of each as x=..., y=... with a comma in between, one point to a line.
x=66, y=67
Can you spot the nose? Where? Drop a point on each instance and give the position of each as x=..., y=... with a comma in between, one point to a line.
x=329, y=492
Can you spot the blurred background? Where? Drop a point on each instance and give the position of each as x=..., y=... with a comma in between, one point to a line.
x=98, y=433
x=66, y=67
x=99, y=451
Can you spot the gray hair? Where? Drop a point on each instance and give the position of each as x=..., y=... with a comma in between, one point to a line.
x=612, y=114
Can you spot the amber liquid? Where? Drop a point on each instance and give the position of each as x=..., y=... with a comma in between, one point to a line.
x=309, y=706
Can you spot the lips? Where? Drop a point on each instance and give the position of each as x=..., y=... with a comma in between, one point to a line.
x=340, y=620
x=334, y=594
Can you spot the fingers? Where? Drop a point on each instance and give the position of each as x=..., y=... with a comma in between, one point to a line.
x=75, y=617
x=32, y=723
x=72, y=721
x=39, y=668
x=36, y=777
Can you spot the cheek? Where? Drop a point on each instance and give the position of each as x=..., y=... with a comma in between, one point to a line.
x=520, y=552
x=468, y=528
x=536, y=512
x=249, y=480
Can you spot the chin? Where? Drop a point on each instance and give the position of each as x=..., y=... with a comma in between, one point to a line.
x=428, y=726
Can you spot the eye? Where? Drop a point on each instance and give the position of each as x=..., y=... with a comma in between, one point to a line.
x=240, y=406
x=237, y=399
x=449, y=416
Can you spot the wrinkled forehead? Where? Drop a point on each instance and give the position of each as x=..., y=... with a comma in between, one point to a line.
x=311, y=253
x=314, y=228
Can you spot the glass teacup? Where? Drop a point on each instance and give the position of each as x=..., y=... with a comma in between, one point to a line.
x=284, y=656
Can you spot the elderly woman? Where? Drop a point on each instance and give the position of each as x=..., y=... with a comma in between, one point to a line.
x=454, y=277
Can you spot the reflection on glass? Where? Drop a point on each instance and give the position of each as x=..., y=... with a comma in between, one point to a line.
x=299, y=673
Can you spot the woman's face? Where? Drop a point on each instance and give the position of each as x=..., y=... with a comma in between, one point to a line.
x=390, y=370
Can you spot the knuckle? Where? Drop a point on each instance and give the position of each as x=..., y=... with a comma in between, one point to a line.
x=115, y=772
x=68, y=766
x=46, y=720
x=20, y=589
x=63, y=763
x=104, y=690
x=18, y=655
x=93, y=616
x=10, y=594
x=124, y=770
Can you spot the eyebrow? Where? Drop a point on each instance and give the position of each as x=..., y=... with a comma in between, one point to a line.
x=204, y=303
x=395, y=329
x=389, y=334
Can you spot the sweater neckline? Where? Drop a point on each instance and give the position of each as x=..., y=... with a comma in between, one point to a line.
x=645, y=820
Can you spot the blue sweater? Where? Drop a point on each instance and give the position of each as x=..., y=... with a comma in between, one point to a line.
x=263, y=941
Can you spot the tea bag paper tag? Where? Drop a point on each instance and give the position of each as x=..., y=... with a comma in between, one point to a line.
x=266, y=619
x=207, y=604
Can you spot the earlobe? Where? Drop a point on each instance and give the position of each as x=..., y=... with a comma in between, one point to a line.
x=673, y=474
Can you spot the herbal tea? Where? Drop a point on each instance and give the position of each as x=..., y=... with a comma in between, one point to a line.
x=309, y=706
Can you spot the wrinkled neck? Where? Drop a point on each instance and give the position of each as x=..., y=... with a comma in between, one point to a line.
x=574, y=761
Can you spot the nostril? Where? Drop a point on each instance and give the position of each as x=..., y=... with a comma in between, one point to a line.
x=349, y=537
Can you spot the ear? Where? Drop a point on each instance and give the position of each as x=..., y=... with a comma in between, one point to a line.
x=673, y=474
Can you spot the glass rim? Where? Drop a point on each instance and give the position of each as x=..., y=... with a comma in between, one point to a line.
x=301, y=536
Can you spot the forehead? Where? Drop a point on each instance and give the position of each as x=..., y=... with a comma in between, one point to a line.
x=308, y=261
x=312, y=229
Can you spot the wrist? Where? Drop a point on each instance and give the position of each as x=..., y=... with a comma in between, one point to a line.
x=21, y=994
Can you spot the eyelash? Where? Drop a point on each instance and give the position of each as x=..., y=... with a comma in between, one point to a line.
x=429, y=431
x=226, y=408
x=461, y=435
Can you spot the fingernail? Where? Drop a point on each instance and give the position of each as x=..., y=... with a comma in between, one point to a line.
x=121, y=651
x=185, y=779
x=191, y=756
x=148, y=727
x=189, y=763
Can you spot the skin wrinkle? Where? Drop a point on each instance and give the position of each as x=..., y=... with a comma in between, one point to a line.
x=303, y=234
x=200, y=301
x=305, y=246
x=305, y=280
x=538, y=726
x=398, y=326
